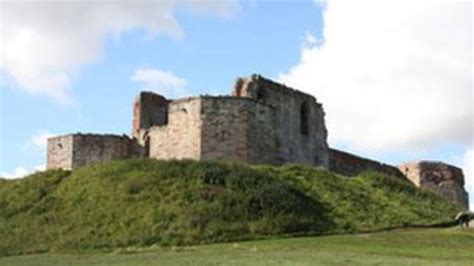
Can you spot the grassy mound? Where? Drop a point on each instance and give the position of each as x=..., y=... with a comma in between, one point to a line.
x=146, y=202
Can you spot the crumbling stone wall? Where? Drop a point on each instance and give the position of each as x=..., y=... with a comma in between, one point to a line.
x=90, y=148
x=262, y=134
x=443, y=179
x=180, y=138
x=226, y=128
x=238, y=129
x=298, y=120
x=351, y=165
x=59, y=152
x=149, y=109
x=75, y=150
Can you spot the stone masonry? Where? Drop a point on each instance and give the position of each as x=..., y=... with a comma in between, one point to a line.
x=75, y=150
x=351, y=165
x=262, y=122
x=443, y=179
x=299, y=130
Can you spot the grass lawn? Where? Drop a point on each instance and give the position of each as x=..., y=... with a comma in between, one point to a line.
x=452, y=246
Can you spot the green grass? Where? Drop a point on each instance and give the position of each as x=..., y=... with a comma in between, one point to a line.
x=400, y=247
x=139, y=203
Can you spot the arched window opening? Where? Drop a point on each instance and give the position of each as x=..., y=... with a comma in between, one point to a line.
x=304, y=116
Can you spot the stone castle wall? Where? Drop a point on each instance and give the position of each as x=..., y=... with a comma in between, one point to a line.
x=351, y=165
x=298, y=120
x=75, y=150
x=237, y=129
x=221, y=128
x=262, y=134
x=443, y=179
x=59, y=152
x=149, y=109
x=180, y=138
x=264, y=122
x=90, y=148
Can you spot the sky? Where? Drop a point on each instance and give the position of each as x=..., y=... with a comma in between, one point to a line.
x=394, y=77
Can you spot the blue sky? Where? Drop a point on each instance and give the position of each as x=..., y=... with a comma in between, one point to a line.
x=68, y=75
x=212, y=54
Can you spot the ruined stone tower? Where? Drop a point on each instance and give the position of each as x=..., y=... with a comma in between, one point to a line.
x=263, y=122
x=443, y=179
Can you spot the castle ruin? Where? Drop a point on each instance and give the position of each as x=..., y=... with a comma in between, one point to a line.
x=262, y=122
x=445, y=180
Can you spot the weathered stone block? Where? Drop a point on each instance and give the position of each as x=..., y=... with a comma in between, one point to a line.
x=351, y=165
x=75, y=150
x=444, y=179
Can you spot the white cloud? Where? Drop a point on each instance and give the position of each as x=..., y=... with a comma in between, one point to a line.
x=41, y=167
x=392, y=76
x=225, y=9
x=17, y=173
x=38, y=141
x=311, y=40
x=161, y=81
x=21, y=172
x=45, y=43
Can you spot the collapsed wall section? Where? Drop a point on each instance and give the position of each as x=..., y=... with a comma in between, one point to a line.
x=149, y=109
x=180, y=138
x=443, y=179
x=298, y=120
x=351, y=165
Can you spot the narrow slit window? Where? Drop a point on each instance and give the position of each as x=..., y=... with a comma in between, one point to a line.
x=304, y=125
x=260, y=94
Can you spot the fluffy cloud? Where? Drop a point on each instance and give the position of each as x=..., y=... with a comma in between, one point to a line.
x=45, y=43
x=161, y=81
x=20, y=172
x=38, y=141
x=393, y=76
x=17, y=173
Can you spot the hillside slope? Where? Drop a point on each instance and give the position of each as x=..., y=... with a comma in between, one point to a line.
x=145, y=202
